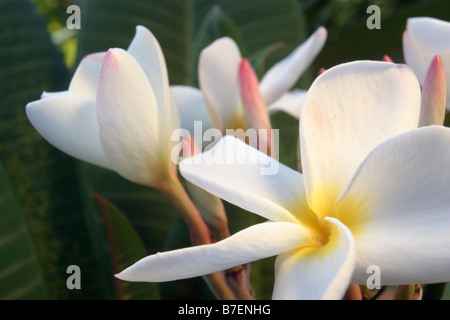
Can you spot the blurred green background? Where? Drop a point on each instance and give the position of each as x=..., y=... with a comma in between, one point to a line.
x=56, y=211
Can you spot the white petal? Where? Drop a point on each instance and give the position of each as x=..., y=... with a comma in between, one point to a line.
x=317, y=273
x=445, y=56
x=415, y=56
x=256, y=242
x=191, y=108
x=146, y=50
x=248, y=178
x=283, y=75
x=428, y=37
x=398, y=208
x=291, y=103
x=70, y=124
x=218, y=73
x=46, y=94
x=85, y=79
x=128, y=118
x=349, y=109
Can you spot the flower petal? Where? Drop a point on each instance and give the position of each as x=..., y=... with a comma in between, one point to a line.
x=445, y=57
x=128, y=117
x=398, y=208
x=291, y=103
x=256, y=242
x=428, y=37
x=317, y=272
x=218, y=73
x=349, y=109
x=415, y=56
x=191, y=108
x=284, y=74
x=69, y=123
x=147, y=51
x=250, y=179
x=84, y=82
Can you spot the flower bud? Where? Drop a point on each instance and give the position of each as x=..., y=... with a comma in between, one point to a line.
x=432, y=110
x=255, y=111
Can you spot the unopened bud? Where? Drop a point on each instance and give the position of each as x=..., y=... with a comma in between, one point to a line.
x=321, y=70
x=432, y=110
x=386, y=58
x=255, y=111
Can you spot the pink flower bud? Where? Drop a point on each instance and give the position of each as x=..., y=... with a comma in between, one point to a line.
x=322, y=70
x=432, y=111
x=255, y=111
x=386, y=58
x=189, y=147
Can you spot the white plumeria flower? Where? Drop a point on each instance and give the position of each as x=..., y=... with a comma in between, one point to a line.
x=117, y=113
x=423, y=39
x=373, y=192
x=218, y=102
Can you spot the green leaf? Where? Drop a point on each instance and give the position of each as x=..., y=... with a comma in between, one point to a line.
x=21, y=275
x=43, y=179
x=126, y=248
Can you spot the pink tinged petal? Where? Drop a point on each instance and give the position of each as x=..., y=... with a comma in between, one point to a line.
x=248, y=178
x=282, y=76
x=189, y=146
x=317, y=272
x=398, y=208
x=255, y=111
x=256, y=242
x=349, y=110
x=218, y=73
x=84, y=82
x=433, y=95
x=291, y=103
x=69, y=123
x=128, y=117
x=192, y=108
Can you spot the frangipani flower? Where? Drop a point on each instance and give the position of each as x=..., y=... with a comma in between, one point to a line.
x=373, y=193
x=117, y=113
x=423, y=39
x=220, y=88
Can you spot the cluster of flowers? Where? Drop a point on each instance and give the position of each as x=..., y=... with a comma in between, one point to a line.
x=374, y=178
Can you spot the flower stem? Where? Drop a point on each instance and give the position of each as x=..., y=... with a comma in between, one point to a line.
x=173, y=190
x=353, y=292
